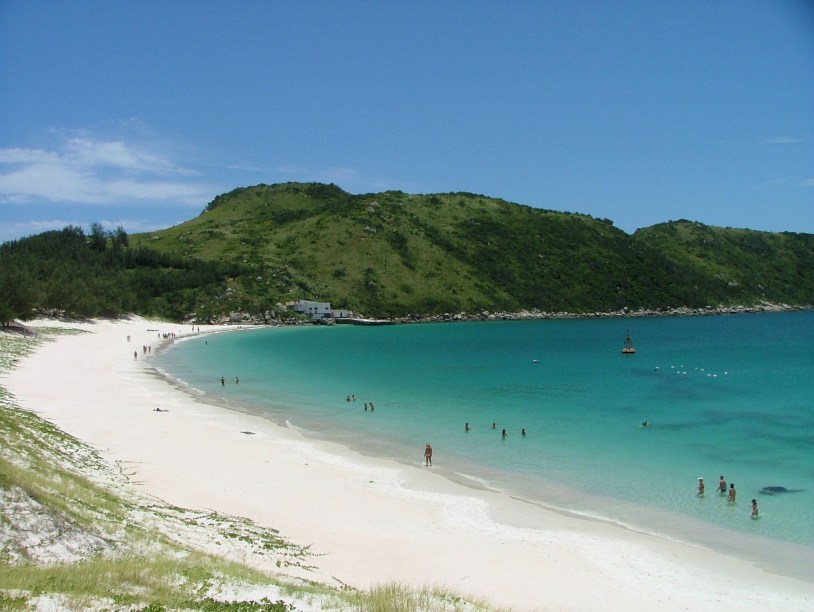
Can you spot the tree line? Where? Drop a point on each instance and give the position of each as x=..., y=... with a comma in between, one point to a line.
x=97, y=274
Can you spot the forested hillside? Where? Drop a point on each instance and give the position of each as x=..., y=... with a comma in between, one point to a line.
x=99, y=274
x=394, y=254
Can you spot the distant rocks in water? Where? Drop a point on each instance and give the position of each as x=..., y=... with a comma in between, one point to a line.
x=775, y=489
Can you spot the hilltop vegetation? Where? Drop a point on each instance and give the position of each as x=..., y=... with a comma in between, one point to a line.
x=394, y=254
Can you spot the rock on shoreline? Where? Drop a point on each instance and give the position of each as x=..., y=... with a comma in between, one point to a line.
x=527, y=315
x=272, y=318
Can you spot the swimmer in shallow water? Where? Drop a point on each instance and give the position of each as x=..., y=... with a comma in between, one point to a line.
x=700, y=487
x=754, y=509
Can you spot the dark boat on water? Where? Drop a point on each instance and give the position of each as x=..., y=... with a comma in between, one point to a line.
x=627, y=348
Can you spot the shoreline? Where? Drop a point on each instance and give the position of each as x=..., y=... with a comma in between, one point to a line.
x=242, y=318
x=534, y=314
x=368, y=520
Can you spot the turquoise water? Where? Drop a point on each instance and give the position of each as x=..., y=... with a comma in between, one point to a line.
x=727, y=395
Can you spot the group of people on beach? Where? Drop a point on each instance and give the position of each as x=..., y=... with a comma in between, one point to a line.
x=467, y=428
x=504, y=434
x=730, y=493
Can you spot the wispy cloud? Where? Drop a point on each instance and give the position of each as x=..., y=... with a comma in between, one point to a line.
x=781, y=140
x=96, y=171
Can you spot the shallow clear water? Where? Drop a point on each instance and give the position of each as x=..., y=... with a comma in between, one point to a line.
x=729, y=395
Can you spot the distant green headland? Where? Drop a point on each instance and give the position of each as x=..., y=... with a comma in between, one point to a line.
x=394, y=254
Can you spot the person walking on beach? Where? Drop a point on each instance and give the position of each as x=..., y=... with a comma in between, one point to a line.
x=754, y=508
x=731, y=497
x=428, y=454
x=700, y=486
x=722, y=485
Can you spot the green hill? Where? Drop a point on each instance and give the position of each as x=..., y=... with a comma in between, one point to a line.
x=739, y=265
x=396, y=254
x=393, y=253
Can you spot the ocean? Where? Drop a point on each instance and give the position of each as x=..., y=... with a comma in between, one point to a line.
x=722, y=395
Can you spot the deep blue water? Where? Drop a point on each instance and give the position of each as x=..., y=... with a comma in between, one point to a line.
x=731, y=395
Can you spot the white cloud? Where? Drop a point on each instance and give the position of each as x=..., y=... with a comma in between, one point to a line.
x=782, y=140
x=18, y=229
x=94, y=171
x=117, y=154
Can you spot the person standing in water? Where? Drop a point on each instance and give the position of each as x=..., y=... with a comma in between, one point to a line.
x=428, y=454
x=731, y=497
x=754, y=509
x=722, y=485
x=700, y=487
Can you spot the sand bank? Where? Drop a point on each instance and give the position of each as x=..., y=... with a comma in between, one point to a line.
x=368, y=521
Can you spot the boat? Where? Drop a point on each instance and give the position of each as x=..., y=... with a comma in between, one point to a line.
x=627, y=348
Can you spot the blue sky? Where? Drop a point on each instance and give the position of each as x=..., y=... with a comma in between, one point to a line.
x=140, y=113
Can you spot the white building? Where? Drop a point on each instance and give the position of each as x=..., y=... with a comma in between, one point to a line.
x=318, y=310
x=315, y=310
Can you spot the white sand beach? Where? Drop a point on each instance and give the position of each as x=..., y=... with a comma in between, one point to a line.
x=368, y=521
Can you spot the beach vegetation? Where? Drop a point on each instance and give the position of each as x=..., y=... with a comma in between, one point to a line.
x=395, y=597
